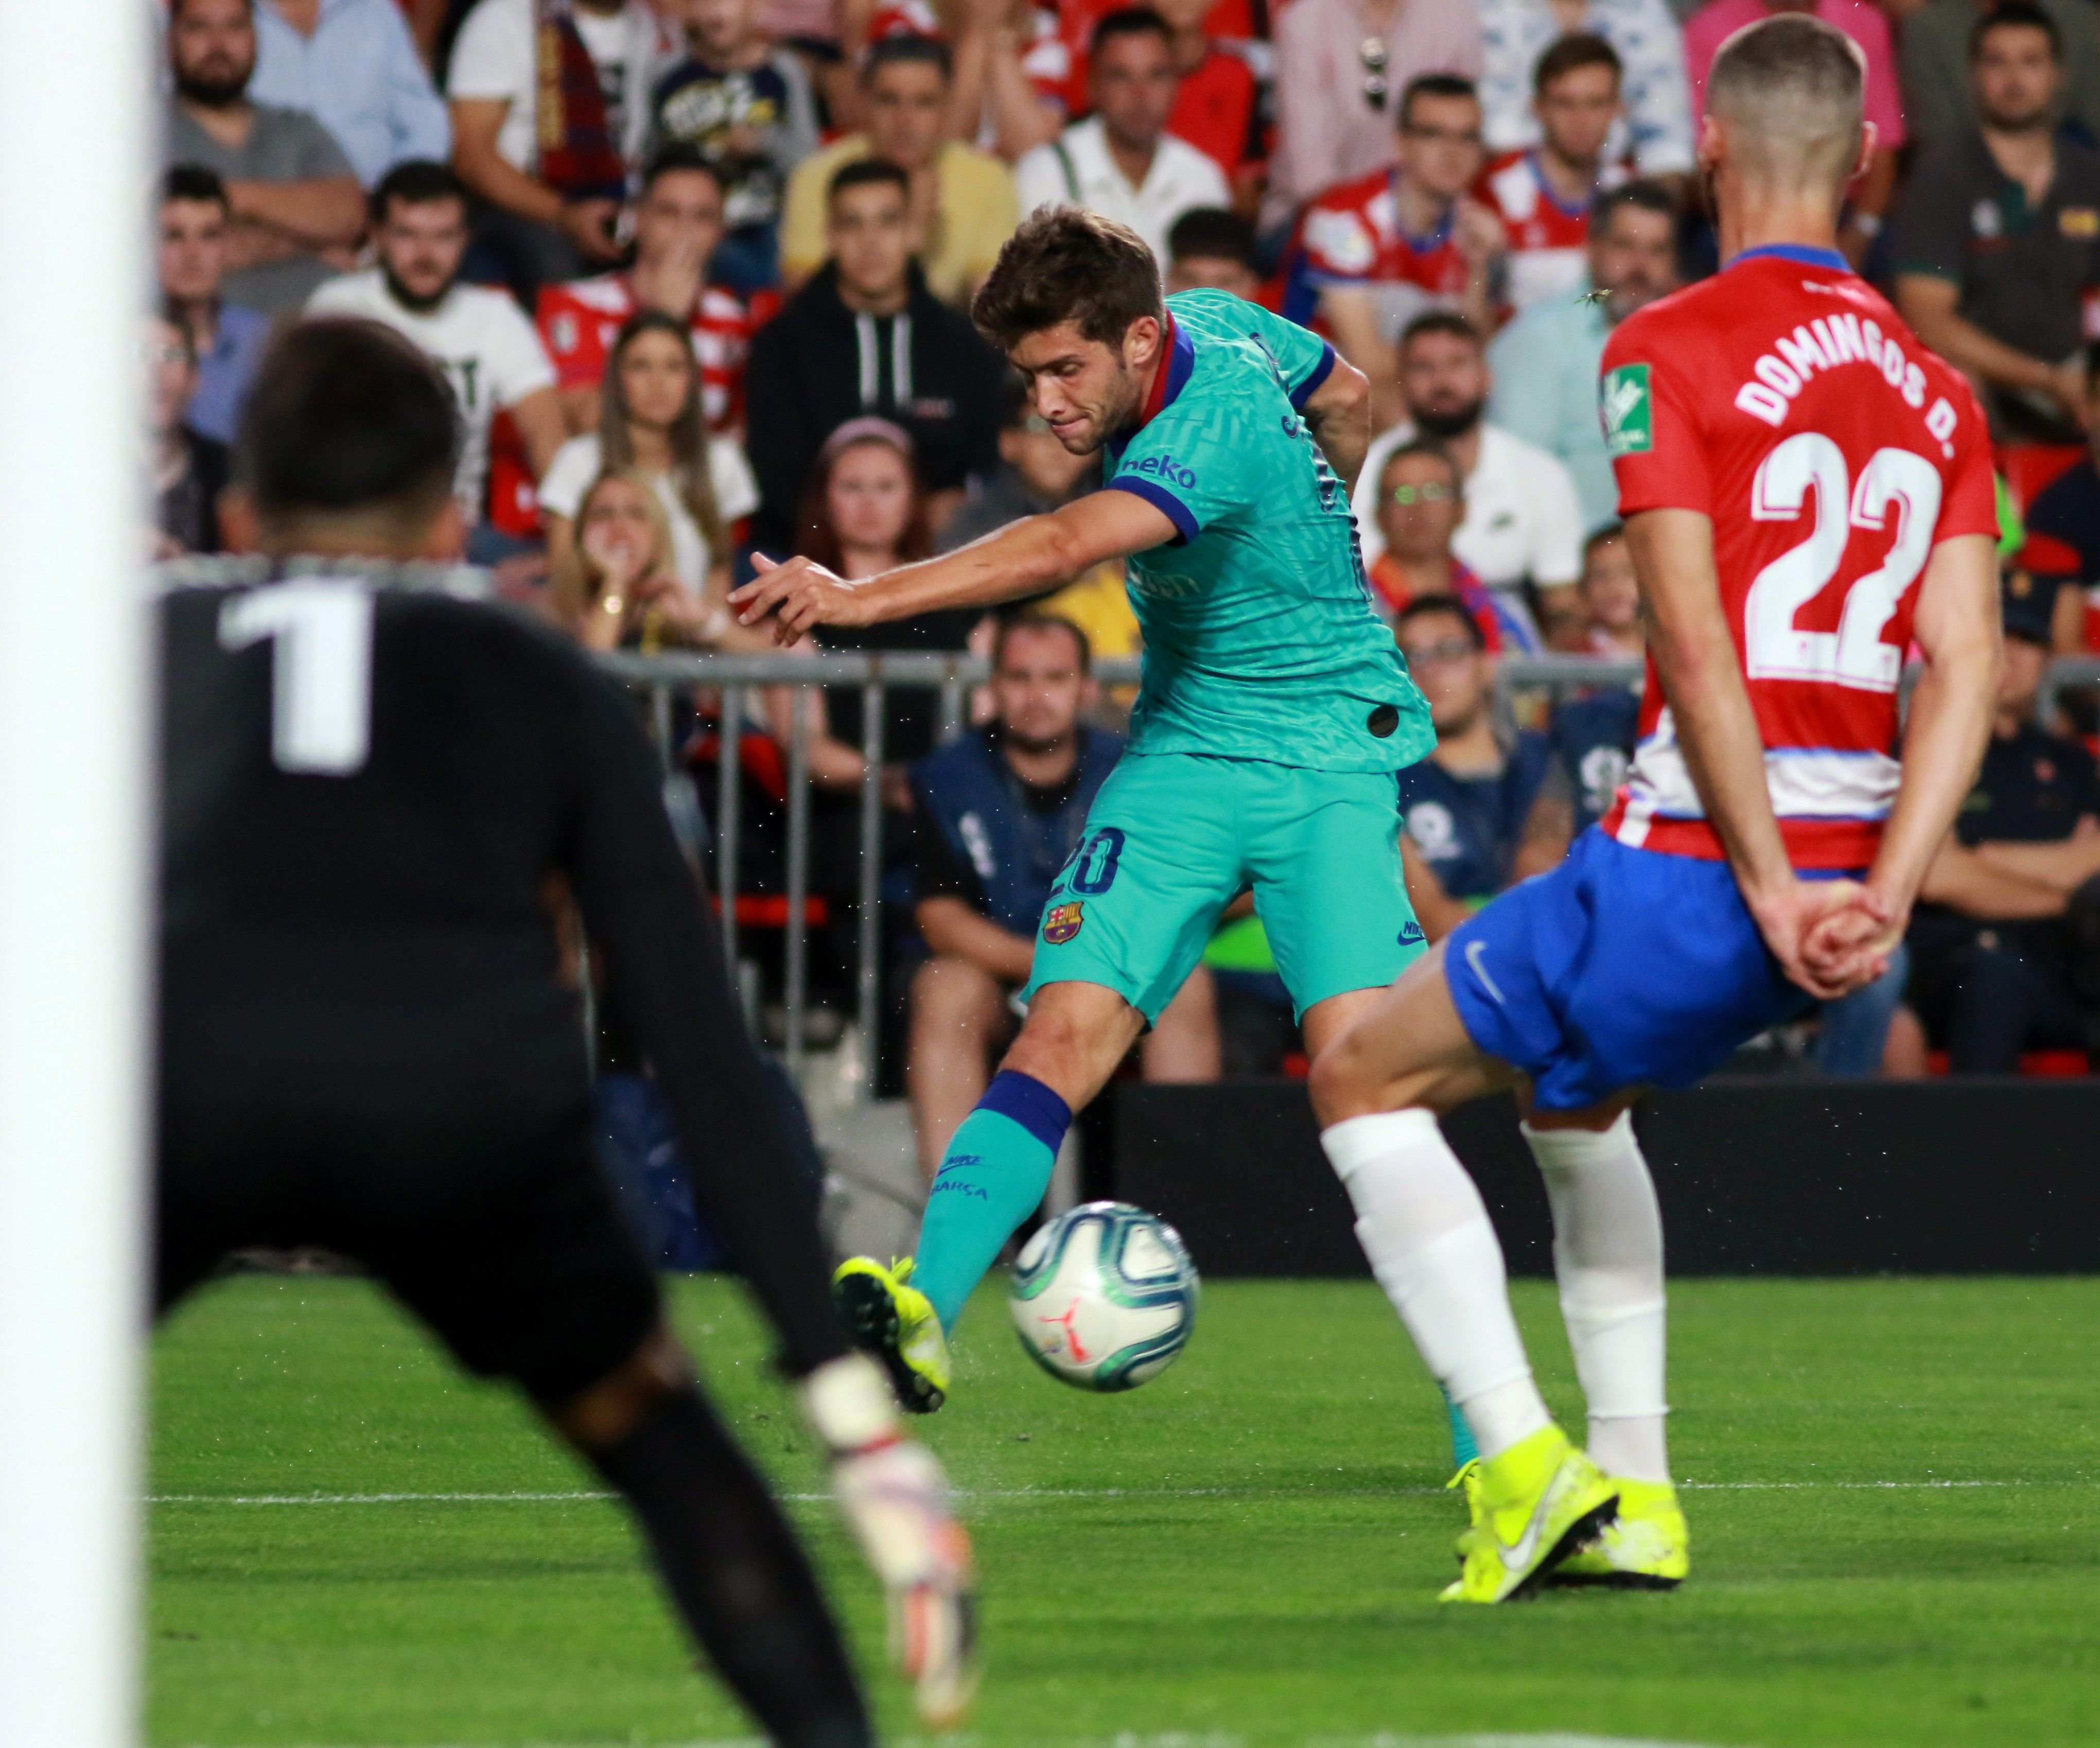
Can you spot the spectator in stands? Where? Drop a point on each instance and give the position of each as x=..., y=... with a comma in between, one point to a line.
x=479, y=338
x=677, y=225
x=746, y=106
x=650, y=425
x=864, y=509
x=1421, y=500
x=1867, y=203
x=961, y=202
x=1018, y=71
x=352, y=65
x=1939, y=86
x=1121, y=162
x=999, y=813
x=2068, y=508
x=1217, y=99
x=1998, y=245
x=1380, y=250
x=1650, y=49
x=1545, y=363
x=1609, y=594
x=1543, y=194
x=1592, y=732
x=1482, y=811
x=1036, y=474
x=1523, y=525
x=1996, y=967
x=867, y=336
x=294, y=198
x=189, y=470
x=550, y=184
x=1212, y=249
x=195, y=219
x=616, y=582
x=1340, y=68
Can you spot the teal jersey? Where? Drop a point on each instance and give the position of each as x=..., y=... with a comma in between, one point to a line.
x=1260, y=641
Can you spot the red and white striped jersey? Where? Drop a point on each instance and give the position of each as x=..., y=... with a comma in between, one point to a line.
x=580, y=320
x=1787, y=401
x=1353, y=236
x=1547, y=241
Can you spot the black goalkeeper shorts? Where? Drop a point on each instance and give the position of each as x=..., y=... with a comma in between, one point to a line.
x=457, y=1170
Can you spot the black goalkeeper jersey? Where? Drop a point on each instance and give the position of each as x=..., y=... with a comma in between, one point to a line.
x=373, y=784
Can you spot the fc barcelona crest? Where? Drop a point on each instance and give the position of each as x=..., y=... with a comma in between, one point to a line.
x=1061, y=923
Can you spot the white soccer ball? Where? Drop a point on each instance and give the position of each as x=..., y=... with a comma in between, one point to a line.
x=1104, y=1296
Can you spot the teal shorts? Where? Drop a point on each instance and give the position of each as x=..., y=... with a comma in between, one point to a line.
x=1174, y=837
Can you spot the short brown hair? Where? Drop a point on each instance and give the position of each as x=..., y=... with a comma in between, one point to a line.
x=1034, y=619
x=1792, y=88
x=1572, y=52
x=1065, y=264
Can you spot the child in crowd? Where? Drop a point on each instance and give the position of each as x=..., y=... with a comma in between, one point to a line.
x=747, y=105
x=1211, y=250
x=1610, y=597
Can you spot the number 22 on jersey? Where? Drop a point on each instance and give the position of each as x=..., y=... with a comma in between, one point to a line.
x=1894, y=484
x=320, y=706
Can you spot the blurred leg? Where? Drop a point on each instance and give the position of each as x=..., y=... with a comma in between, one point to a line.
x=1184, y=1045
x=958, y=1018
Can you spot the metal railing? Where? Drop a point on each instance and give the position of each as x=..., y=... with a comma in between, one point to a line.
x=876, y=675
x=951, y=676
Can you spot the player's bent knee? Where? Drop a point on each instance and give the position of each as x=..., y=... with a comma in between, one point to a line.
x=605, y=1413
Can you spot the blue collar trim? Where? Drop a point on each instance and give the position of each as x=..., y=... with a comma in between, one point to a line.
x=1180, y=365
x=1807, y=257
x=1546, y=188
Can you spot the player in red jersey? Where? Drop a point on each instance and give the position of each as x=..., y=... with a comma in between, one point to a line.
x=1543, y=195
x=1807, y=493
x=677, y=223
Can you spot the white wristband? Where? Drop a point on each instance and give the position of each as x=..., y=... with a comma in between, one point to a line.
x=849, y=1404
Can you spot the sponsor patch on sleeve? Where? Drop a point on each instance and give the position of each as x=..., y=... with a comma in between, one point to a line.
x=1628, y=411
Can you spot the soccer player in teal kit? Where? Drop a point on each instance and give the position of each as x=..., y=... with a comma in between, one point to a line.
x=1274, y=713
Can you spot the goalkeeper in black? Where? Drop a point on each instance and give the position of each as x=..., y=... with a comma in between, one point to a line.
x=379, y=792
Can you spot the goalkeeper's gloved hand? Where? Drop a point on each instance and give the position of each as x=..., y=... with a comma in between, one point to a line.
x=895, y=1498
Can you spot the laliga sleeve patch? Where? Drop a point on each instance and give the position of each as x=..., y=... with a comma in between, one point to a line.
x=1061, y=923
x=1627, y=410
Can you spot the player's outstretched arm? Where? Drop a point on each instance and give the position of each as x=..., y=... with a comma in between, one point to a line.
x=1696, y=658
x=1025, y=558
x=1957, y=630
x=1339, y=414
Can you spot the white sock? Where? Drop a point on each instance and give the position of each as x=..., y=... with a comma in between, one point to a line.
x=1608, y=1254
x=1425, y=1229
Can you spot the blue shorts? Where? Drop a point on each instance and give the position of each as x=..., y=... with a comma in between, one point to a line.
x=1622, y=967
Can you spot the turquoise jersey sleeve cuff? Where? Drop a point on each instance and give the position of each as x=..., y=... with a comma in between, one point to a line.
x=1183, y=518
x=1314, y=378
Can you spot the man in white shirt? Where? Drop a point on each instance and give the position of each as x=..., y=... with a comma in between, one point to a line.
x=480, y=337
x=543, y=221
x=1523, y=518
x=1121, y=162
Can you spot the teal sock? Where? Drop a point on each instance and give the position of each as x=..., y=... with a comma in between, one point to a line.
x=1464, y=1450
x=991, y=1179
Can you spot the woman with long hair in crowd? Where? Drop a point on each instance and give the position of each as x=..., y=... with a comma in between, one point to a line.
x=650, y=424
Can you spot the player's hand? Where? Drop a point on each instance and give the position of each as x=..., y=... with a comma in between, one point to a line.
x=895, y=1499
x=796, y=596
x=1826, y=934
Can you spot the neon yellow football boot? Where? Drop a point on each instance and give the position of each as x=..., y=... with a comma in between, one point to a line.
x=1531, y=1506
x=1645, y=1547
x=895, y=1323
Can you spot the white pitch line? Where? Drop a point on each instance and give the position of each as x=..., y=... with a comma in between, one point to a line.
x=1070, y=1492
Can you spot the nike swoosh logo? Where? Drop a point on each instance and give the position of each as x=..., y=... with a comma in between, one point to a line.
x=1518, y=1554
x=1475, y=951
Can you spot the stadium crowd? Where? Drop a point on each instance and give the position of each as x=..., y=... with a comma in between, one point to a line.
x=698, y=271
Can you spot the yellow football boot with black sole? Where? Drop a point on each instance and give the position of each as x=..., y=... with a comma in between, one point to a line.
x=893, y=1320
x=1532, y=1506
x=1646, y=1546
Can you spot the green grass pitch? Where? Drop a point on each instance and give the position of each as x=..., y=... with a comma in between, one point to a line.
x=1895, y=1514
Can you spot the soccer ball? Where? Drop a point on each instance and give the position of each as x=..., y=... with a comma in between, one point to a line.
x=1104, y=1296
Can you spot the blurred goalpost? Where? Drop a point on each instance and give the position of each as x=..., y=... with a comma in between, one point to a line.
x=78, y=111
